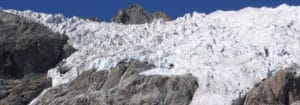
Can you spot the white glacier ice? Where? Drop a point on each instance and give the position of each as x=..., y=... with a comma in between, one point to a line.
x=228, y=51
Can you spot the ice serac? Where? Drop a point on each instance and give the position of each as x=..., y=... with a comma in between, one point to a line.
x=27, y=51
x=123, y=85
x=281, y=89
x=228, y=51
x=135, y=14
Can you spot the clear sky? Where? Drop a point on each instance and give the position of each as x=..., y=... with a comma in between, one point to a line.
x=105, y=9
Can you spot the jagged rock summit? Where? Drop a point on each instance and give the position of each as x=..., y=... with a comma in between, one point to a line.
x=135, y=14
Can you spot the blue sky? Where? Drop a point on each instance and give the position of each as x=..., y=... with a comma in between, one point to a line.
x=105, y=9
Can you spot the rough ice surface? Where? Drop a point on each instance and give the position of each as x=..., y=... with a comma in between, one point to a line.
x=229, y=51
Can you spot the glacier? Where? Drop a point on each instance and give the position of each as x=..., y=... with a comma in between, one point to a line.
x=228, y=51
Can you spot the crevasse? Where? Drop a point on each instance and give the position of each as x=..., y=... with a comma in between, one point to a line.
x=228, y=51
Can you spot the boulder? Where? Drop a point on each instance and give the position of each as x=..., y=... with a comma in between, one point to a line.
x=281, y=89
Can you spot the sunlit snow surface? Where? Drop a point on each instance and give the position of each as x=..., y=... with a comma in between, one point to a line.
x=229, y=51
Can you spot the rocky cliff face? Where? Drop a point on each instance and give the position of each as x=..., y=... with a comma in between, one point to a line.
x=281, y=89
x=123, y=86
x=27, y=47
x=135, y=14
x=27, y=51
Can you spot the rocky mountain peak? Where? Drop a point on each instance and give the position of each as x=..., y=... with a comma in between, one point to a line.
x=135, y=14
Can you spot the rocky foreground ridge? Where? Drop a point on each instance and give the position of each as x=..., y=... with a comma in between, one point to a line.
x=122, y=86
x=281, y=89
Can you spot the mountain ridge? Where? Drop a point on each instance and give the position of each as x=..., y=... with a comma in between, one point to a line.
x=229, y=52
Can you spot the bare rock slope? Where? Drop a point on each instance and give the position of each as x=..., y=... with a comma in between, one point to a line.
x=123, y=86
x=281, y=89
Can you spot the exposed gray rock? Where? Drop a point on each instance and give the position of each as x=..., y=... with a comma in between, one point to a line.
x=162, y=15
x=21, y=92
x=27, y=47
x=5, y=87
x=117, y=74
x=123, y=86
x=95, y=19
x=27, y=51
x=281, y=89
x=67, y=50
x=55, y=19
x=238, y=101
x=135, y=14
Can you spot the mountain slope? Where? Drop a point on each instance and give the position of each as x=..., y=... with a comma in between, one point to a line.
x=229, y=51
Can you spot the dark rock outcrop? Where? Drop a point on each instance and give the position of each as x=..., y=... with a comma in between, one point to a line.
x=123, y=86
x=135, y=14
x=27, y=47
x=281, y=89
x=93, y=18
x=27, y=51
